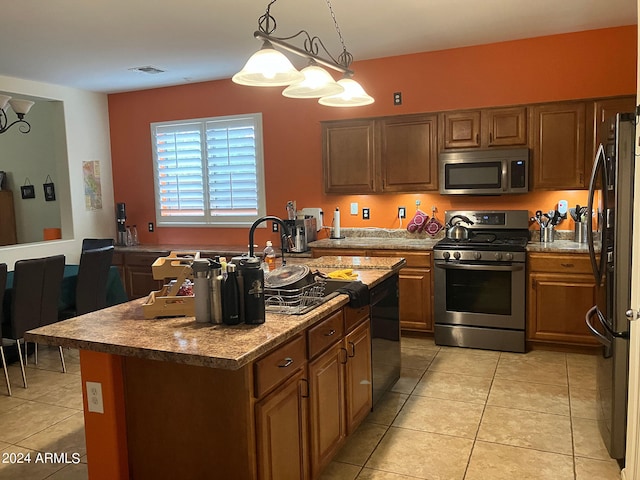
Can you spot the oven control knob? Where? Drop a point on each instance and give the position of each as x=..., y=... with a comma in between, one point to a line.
x=498, y=256
x=477, y=255
x=456, y=255
x=446, y=255
x=509, y=256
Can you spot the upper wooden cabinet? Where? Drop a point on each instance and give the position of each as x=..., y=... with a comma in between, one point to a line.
x=392, y=154
x=603, y=110
x=348, y=149
x=408, y=153
x=558, y=146
x=492, y=127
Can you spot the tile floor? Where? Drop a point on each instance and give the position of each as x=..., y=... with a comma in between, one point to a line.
x=45, y=418
x=455, y=414
x=463, y=414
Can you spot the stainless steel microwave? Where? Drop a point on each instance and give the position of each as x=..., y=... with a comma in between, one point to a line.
x=484, y=172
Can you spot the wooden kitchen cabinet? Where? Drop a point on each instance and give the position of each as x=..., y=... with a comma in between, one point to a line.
x=561, y=289
x=486, y=128
x=558, y=146
x=408, y=153
x=603, y=110
x=359, y=396
x=331, y=252
x=379, y=155
x=8, y=234
x=139, y=279
x=281, y=431
x=348, y=151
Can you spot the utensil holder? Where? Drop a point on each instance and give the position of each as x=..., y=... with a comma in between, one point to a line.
x=547, y=234
x=580, y=232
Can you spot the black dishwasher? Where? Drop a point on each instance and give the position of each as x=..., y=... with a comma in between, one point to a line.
x=385, y=336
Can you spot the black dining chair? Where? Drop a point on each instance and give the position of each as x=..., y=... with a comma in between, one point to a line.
x=91, y=285
x=3, y=284
x=95, y=243
x=36, y=291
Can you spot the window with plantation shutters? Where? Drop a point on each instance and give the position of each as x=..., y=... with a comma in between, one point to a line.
x=209, y=171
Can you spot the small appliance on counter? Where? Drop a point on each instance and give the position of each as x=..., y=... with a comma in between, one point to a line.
x=303, y=231
x=121, y=220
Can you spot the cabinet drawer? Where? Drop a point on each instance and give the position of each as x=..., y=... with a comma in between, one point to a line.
x=414, y=259
x=558, y=263
x=143, y=259
x=353, y=316
x=328, y=331
x=118, y=258
x=279, y=365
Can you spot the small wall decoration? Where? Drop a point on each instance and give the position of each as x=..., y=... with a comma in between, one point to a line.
x=28, y=190
x=49, y=189
x=92, y=185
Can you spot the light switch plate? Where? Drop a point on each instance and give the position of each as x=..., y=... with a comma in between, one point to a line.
x=94, y=397
x=354, y=208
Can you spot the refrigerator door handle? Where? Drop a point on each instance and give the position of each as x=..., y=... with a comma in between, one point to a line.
x=599, y=165
x=587, y=318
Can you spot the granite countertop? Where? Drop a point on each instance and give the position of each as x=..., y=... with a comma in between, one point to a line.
x=222, y=250
x=123, y=329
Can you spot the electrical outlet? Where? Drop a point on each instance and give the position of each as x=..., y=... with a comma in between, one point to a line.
x=151, y=226
x=274, y=227
x=365, y=214
x=94, y=397
x=397, y=98
x=402, y=212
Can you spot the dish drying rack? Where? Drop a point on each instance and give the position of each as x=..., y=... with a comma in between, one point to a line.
x=297, y=301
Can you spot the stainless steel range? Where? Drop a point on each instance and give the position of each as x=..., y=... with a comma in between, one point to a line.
x=480, y=282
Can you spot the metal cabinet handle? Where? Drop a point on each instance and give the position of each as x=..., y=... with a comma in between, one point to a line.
x=287, y=361
x=308, y=391
x=490, y=137
x=330, y=332
x=567, y=265
x=346, y=355
x=353, y=349
x=477, y=138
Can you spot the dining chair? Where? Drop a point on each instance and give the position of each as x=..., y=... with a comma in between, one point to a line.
x=3, y=284
x=36, y=291
x=95, y=243
x=91, y=284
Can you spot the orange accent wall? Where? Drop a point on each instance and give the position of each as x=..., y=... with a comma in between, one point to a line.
x=559, y=67
x=105, y=433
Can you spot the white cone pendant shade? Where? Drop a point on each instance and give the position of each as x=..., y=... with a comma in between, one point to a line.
x=317, y=83
x=21, y=107
x=4, y=100
x=267, y=68
x=353, y=95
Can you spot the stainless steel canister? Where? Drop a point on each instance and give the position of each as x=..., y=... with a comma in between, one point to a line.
x=215, y=291
x=201, y=290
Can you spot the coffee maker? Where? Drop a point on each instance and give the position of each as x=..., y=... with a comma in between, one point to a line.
x=303, y=230
x=121, y=220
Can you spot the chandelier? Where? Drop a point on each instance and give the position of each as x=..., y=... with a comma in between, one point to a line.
x=20, y=108
x=270, y=68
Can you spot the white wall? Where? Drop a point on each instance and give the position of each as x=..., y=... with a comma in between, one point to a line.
x=86, y=134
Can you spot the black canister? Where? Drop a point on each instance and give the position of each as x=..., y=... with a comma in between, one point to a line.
x=252, y=289
x=231, y=297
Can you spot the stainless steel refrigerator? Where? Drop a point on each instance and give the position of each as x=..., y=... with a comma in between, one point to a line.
x=609, y=241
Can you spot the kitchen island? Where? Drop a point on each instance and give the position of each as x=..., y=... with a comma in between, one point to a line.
x=187, y=400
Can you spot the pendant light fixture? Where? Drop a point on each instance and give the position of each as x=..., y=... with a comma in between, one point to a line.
x=268, y=67
x=20, y=107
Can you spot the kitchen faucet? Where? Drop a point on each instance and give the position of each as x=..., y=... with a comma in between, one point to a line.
x=285, y=234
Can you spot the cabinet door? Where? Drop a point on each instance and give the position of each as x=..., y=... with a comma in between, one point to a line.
x=461, y=129
x=409, y=153
x=559, y=146
x=348, y=151
x=604, y=110
x=8, y=234
x=415, y=299
x=358, y=377
x=327, y=409
x=281, y=432
x=504, y=126
x=557, y=306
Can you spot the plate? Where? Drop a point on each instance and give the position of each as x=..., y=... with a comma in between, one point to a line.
x=287, y=276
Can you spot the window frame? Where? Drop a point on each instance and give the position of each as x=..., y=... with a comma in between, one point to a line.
x=208, y=220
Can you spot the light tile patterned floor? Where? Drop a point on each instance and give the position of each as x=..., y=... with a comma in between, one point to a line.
x=463, y=414
x=456, y=414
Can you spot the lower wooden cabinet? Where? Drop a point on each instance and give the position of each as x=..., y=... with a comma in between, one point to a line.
x=281, y=431
x=358, y=375
x=561, y=289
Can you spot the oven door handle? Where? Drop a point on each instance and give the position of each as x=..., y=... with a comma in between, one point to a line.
x=475, y=266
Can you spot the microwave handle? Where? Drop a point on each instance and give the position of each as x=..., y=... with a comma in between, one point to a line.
x=505, y=176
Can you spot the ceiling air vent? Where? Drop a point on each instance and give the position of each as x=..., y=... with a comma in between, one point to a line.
x=148, y=69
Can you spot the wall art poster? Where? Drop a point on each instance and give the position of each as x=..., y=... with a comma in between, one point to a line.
x=92, y=186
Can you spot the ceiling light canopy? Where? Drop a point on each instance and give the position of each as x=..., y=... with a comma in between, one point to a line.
x=20, y=108
x=268, y=67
